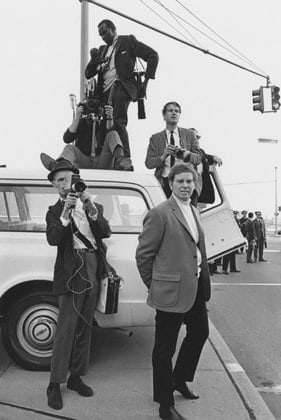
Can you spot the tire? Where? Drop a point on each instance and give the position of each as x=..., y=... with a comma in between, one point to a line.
x=28, y=330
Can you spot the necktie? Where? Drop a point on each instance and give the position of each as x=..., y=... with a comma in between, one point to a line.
x=172, y=143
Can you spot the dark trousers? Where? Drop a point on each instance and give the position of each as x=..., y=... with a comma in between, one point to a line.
x=229, y=258
x=250, y=250
x=259, y=247
x=120, y=103
x=166, y=333
x=71, y=349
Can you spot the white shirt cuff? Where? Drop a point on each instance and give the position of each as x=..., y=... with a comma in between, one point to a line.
x=64, y=222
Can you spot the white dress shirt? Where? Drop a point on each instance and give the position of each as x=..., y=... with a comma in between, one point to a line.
x=191, y=223
x=110, y=75
x=176, y=135
x=82, y=224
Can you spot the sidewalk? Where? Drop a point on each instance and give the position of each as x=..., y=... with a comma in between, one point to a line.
x=121, y=376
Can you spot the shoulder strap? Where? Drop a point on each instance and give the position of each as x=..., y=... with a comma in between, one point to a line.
x=80, y=235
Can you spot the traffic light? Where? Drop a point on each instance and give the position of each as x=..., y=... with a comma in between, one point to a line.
x=275, y=98
x=258, y=100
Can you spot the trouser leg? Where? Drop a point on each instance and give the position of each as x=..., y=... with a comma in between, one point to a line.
x=64, y=337
x=261, y=243
x=249, y=251
x=197, y=332
x=106, y=158
x=73, y=334
x=166, y=334
x=82, y=341
x=120, y=103
x=233, y=261
x=225, y=262
x=77, y=158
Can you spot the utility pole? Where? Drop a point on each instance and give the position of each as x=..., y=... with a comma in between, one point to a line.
x=84, y=44
x=276, y=203
x=273, y=141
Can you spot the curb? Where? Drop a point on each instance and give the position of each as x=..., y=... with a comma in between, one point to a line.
x=253, y=402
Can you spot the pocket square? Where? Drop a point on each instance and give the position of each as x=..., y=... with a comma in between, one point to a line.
x=123, y=52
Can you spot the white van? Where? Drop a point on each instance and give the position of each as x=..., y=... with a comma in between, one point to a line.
x=27, y=307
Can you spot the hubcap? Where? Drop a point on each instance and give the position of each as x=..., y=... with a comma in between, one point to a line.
x=36, y=329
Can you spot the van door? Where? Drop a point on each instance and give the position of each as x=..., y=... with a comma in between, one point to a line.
x=222, y=233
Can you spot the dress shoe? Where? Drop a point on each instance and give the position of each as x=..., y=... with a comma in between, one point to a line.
x=54, y=396
x=262, y=260
x=235, y=271
x=225, y=272
x=170, y=413
x=183, y=389
x=76, y=384
x=123, y=164
x=217, y=272
x=250, y=261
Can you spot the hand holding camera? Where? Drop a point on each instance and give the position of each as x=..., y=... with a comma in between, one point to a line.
x=181, y=153
x=169, y=151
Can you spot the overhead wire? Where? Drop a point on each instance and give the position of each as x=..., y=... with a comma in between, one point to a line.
x=179, y=23
x=168, y=23
x=220, y=37
x=205, y=51
x=237, y=54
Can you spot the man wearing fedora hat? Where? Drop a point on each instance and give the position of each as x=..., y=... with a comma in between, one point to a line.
x=75, y=224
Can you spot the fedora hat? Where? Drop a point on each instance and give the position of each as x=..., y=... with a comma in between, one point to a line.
x=61, y=165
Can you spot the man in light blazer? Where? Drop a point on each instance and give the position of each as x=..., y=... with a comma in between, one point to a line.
x=162, y=149
x=171, y=259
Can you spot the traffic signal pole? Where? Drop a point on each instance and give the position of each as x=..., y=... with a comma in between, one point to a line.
x=276, y=199
x=84, y=50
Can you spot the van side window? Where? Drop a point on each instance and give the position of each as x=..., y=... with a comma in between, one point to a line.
x=123, y=208
x=23, y=208
x=217, y=199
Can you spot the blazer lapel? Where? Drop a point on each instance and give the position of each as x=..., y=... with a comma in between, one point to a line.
x=200, y=230
x=163, y=140
x=117, y=46
x=179, y=215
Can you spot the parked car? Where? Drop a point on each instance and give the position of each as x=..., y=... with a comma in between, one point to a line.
x=27, y=307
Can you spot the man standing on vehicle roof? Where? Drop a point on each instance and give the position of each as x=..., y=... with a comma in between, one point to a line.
x=171, y=258
x=114, y=63
x=75, y=224
x=171, y=144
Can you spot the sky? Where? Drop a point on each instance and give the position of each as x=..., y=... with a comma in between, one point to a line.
x=40, y=67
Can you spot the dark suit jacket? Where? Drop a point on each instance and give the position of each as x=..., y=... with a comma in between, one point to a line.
x=167, y=260
x=158, y=143
x=249, y=229
x=60, y=236
x=259, y=228
x=127, y=49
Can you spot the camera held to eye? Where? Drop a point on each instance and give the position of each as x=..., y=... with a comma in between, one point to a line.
x=77, y=185
x=179, y=152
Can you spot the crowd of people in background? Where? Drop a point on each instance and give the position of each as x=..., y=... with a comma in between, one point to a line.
x=252, y=227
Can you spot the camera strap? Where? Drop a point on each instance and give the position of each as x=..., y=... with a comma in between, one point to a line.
x=80, y=235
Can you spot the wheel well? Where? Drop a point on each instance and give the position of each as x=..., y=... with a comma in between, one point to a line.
x=21, y=290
